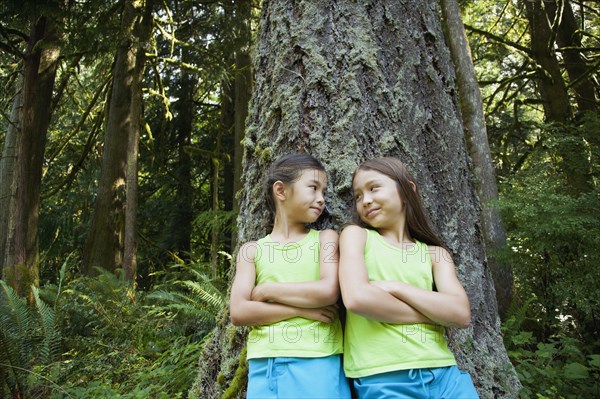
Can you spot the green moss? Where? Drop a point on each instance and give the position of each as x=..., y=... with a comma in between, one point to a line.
x=239, y=379
x=267, y=154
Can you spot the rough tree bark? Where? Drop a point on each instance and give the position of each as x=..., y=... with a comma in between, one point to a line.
x=7, y=172
x=105, y=242
x=347, y=81
x=242, y=92
x=471, y=107
x=21, y=256
x=144, y=29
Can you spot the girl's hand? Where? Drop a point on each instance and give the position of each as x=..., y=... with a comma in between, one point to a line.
x=260, y=292
x=326, y=314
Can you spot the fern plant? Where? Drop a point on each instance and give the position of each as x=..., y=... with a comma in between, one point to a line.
x=199, y=299
x=29, y=336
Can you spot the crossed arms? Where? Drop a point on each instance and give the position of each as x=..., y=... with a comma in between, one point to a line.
x=395, y=301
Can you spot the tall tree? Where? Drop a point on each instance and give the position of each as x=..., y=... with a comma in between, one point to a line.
x=242, y=91
x=347, y=81
x=21, y=257
x=143, y=31
x=553, y=89
x=568, y=35
x=471, y=108
x=7, y=172
x=105, y=242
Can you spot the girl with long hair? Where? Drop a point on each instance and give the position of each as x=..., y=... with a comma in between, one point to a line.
x=400, y=288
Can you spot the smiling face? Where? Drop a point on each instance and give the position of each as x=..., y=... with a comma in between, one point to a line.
x=305, y=198
x=377, y=198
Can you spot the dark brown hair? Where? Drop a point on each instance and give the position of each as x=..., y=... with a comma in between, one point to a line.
x=288, y=169
x=417, y=220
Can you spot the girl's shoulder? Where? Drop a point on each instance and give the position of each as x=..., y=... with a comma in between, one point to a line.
x=353, y=232
x=248, y=249
x=328, y=234
x=437, y=253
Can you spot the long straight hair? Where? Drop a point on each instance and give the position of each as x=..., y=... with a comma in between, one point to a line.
x=417, y=219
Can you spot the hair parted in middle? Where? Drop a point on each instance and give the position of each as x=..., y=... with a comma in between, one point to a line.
x=417, y=219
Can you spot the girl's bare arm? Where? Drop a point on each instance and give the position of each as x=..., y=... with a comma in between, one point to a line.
x=449, y=305
x=362, y=297
x=308, y=294
x=245, y=311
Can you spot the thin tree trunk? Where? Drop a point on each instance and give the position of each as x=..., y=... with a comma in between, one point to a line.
x=104, y=246
x=214, y=232
x=242, y=93
x=7, y=174
x=471, y=107
x=130, y=243
x=179, y=233
x=39, y=72
x=348, y=81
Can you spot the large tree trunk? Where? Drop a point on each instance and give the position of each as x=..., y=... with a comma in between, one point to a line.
x=348, y=81
x=471, y=107
x=105, y=242
x=39, y=72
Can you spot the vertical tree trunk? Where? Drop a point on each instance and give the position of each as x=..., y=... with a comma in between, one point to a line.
x=347, y=81
x=569, y=35
x=242, y=92
x=214, y=231
x=130, y=243
x=39, y=72
x=181, y=216
x=552, y=88
x=554, y=96
x=471, y=107
x=7, y=174
x=104, y=246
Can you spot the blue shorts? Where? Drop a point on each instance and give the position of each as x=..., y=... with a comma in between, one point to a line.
x=440, y=383
x=296, y=377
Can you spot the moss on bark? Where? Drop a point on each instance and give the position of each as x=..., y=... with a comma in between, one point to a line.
x=347, y=81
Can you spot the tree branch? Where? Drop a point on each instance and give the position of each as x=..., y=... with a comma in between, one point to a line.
x=498, y=39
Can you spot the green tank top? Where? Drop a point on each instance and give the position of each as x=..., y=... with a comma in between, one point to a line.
x=372, y=347
x=295, y=337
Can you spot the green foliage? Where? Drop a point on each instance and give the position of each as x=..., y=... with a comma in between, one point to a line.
x=124, y=343
x=555, y=368
x=200, y=297
x=554, y=249
x=29, y=336
x=554, y=239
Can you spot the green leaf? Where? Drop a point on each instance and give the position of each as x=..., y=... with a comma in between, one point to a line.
x=576, y=371
x=595, y=361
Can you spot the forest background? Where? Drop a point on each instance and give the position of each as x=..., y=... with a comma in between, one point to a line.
x=130, y=114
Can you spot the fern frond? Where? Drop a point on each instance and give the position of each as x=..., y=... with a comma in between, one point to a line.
x=50, y=332
x=207, y=293
x=18, y=328
x=16, y=309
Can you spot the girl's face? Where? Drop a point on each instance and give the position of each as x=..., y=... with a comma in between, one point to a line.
x=305, y=198
x=378, y=201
